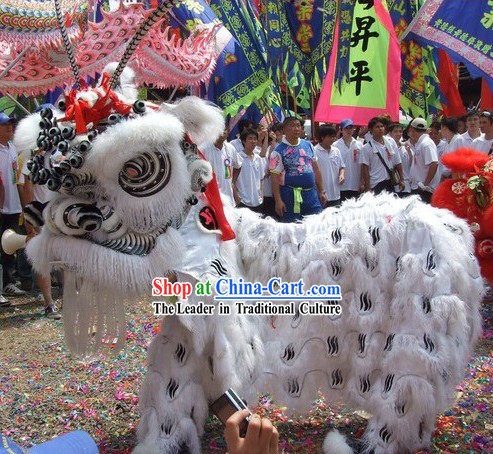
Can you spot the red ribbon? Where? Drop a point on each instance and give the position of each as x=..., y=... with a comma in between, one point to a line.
x=213, y=197
x=78, y=110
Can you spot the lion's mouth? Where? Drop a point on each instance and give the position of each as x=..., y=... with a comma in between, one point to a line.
x=133, y=243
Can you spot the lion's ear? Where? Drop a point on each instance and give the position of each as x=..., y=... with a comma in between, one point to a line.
x=203, y=122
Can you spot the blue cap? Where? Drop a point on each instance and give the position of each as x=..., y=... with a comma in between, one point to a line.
x=4, y=119
x=346, y=123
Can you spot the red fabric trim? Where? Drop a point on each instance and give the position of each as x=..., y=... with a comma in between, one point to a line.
x=214, y=199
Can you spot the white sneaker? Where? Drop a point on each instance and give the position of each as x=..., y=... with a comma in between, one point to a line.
x=4, y=302
x=12, y=290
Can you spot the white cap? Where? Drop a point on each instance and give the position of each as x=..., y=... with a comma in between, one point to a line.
x=419, y=124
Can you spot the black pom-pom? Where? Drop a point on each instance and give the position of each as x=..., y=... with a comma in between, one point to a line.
x=47, y=113
x=56, y=140
x=84, y=146
x=113, y=119
x=45, y=123
x=92, y=135
x=61, y=104
x=54, y=184
x=139, y=107
x=68, y=182
x=65, y=166
x=63, y=146
x=203, y=189
x=39, y=160
x=68, y=133
x=76, y=160
x=43, y=176
x=56, y=172
x=54, y=131
x=40, y=140
x=44, y=144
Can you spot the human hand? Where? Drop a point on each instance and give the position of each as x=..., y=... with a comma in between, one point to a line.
x=280, y=208
x=323, y=198
x=341, y=179
x=402, y=185
x=261, y=437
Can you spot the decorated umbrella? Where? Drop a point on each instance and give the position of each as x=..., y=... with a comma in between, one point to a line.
x=44, y=58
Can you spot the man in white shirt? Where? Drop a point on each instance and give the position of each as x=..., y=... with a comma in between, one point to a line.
x=247, y=187
x=449, y=132
x=424, y=175
x=396, y=131
x=473, y=131
x=243, y=125
x=350, y=148
x=485, y=142
x=11, y=208
x=377, y=159
x=330, y=163
x=223, y=159
x=441, y=144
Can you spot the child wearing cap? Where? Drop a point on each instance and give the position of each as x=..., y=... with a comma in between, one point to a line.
x=350, y=149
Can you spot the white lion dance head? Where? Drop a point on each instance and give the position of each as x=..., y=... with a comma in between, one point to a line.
x=124, y=171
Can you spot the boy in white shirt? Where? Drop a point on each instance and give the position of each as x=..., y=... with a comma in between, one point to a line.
x=441, y=144
x=223, y=159
x=11, y=208
x=379, y=150
x=350, y=148
x=449, y=132
x=330, y=163
x=243, y=125
x=396, y=131
x=473, y=131
x=247, y=186
x=485, y=142
x=424, y=176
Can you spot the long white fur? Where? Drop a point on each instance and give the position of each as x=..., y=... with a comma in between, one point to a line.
x=423, y=380
x=335, y=443
x=421, y=277
x=203, y=122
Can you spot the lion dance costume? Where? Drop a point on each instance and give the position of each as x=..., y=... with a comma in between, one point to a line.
x=469, y=196
x=135, y=201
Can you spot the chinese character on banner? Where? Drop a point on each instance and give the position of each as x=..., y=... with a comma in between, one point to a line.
x=369, y=3
x=359, y=74
x=487, y=20
x=372, y=86
x=363, y=32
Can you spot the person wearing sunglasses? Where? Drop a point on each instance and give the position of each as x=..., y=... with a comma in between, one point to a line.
x=484, y=143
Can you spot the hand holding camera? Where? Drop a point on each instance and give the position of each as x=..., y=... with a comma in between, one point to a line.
x=261, y=436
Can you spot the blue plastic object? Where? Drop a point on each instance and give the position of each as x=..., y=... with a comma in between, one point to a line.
x=77, y=442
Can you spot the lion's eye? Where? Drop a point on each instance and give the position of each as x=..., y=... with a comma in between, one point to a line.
x=146, y=174
x=131, y=172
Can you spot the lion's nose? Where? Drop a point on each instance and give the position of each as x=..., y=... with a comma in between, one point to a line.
x=89, y=218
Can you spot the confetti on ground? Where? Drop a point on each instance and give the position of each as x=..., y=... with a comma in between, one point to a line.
x=44, y=392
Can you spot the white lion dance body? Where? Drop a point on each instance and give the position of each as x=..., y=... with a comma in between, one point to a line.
x=410, y=282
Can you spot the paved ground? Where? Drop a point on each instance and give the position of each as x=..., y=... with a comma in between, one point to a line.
x=43, y=392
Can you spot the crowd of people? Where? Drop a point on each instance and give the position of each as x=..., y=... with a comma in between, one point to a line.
x=274, y=171
x=277, y=172
x=16, y=190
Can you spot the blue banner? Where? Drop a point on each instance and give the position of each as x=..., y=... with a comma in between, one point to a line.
x=301, y=33
x=464, y=28
x=241, y=74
